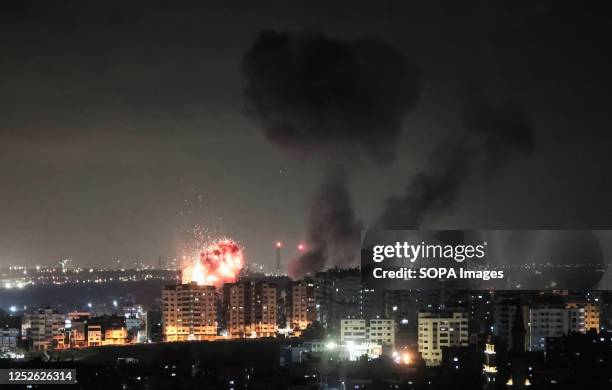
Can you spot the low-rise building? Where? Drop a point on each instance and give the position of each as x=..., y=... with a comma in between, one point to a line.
x=441, y=329
x=44, y=329
x=374, y=331
x=8, y=338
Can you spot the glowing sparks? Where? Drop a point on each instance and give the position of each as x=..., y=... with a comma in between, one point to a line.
x=402, y=358
x=218, y=263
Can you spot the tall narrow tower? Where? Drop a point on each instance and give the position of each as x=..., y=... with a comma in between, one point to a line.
x=518, y=331
x=279, y=245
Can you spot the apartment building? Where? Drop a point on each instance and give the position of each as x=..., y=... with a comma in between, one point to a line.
x=250, y=309
x=441, y=329
x=553, y=321
x=591, y=314
x=374, y=331
x=44, y=329
x=301, y=308
x=189, y=312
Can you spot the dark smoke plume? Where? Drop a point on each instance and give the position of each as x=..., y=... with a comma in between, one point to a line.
x=333, y=230
x=492, y=135
x=502, y=131
x=434, y=189
x=310, y=92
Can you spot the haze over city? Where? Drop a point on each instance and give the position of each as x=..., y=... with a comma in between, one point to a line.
x=125, y=126
x=305, y=195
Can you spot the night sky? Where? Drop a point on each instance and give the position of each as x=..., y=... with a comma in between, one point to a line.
x=124, y=125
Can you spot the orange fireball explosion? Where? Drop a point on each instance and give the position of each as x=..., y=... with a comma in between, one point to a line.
x=219, y=263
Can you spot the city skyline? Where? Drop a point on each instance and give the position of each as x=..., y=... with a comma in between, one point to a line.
x=351, y=194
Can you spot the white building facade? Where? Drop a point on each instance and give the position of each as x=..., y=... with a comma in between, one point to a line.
x=438, y=330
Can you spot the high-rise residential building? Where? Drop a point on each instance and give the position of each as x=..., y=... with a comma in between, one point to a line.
x=547, y=321
x=591, y=314
x=401, y=305
x=153, y=325
x=250, y=309
x=266, y=316
x=189, y=312
x=361, y=331
x=480, y=310
x=236, y=303
x=301, y=307
x=44, y=329
x=372, y=303
x=323, y=297
x=441, y=329
x=504, y=315
x=339, y=295
x=347, y=299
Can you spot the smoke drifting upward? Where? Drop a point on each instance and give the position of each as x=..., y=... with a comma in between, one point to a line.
x=502, y=131
x=492, y=135
x=434, y=189
x=333, y=230
x=310, y=92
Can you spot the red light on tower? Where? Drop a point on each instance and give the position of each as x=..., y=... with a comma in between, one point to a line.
x=301, y=247
x=278, y=257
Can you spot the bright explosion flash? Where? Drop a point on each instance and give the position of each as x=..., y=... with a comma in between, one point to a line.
x=218, y=263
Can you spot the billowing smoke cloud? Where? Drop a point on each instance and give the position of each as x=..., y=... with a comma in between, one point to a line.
x=333, y=230
x=492, y=135
x=310, y=93
x=501, y=130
